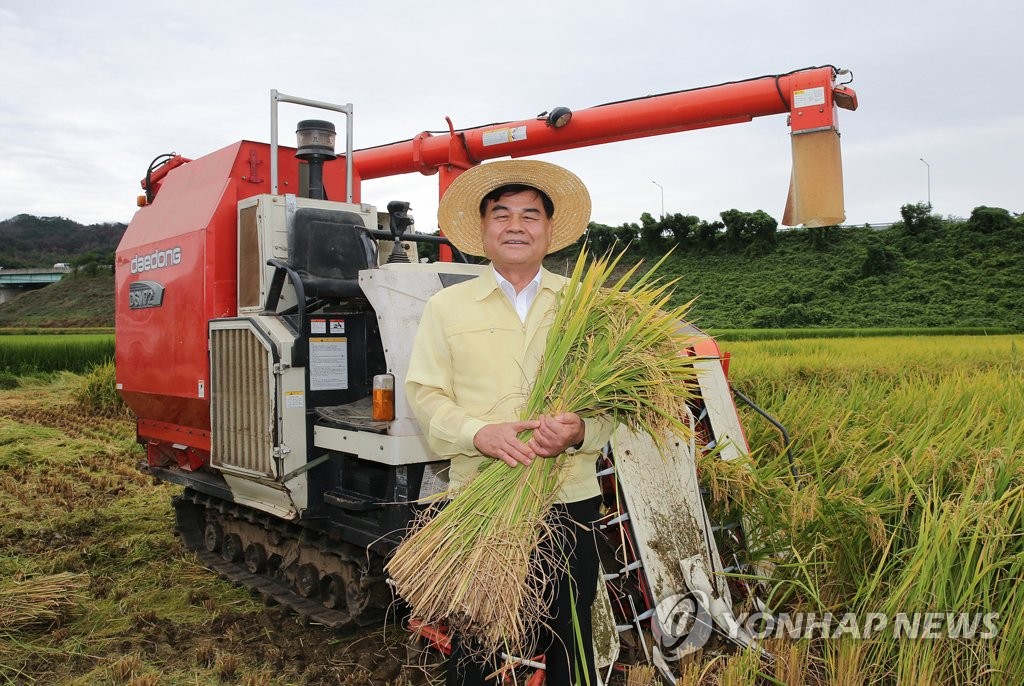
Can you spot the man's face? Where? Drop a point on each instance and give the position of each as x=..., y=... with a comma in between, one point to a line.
x=515, y=230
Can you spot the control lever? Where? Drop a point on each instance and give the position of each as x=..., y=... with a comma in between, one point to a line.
x=400, y=222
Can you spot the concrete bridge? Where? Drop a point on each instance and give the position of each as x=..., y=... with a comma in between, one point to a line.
x=16, y=281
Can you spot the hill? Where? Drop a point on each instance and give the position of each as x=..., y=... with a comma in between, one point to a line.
x=948, y=275
x=76, y=301
x=30, y=241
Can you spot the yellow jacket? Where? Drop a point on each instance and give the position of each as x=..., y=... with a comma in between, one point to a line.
x=473, y=363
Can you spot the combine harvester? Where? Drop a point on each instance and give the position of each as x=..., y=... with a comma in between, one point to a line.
x=264, y=324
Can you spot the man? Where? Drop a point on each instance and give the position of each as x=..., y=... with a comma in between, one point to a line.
x=475, y=357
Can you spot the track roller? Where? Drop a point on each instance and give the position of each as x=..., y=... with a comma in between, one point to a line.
x=213, y=537
x=255, y=558
x=307, y=581
x=232, y=549
x=333, y=593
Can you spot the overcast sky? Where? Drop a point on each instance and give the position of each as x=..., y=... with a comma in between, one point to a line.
x=93, y=91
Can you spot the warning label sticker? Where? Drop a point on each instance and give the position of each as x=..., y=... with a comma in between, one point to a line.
x=499, y=136
x=294, y=399
x=809, y=97
x=328, y=364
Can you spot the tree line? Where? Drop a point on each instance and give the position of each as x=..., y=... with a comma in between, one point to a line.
x=756, y=233
x=736, y=231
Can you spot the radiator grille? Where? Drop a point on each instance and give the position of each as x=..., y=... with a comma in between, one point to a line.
x=242, y=414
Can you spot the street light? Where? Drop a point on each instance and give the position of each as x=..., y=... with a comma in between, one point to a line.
x=662, y=197
x=929, y=181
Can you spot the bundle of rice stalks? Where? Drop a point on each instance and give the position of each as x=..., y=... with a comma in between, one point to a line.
x=97, y=392
x=611, y=351
x=39, y=601
x=641, y=675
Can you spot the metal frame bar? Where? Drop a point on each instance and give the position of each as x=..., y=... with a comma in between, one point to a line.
x=346, y=109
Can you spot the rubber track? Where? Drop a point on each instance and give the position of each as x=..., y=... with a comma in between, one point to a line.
x=271, y=590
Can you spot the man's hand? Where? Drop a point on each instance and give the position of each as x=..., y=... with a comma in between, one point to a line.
x=556, y=433
x=501, y=441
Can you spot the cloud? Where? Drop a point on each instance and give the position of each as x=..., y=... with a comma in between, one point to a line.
x=94, y=92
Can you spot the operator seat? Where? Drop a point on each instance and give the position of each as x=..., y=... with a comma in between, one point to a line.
x=328, y=249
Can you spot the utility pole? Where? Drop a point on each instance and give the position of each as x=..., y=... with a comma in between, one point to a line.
x=929, y=181
x=662, y=198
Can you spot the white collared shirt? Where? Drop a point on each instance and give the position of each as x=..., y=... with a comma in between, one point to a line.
x=524, y=298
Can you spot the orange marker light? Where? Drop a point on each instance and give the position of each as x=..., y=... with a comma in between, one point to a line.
x=383, y=397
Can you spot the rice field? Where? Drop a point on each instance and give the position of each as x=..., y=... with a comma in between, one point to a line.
x=860, y=332
x=33, y=353
x=909, y=498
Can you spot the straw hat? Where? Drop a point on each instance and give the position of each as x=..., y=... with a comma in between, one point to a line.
x=459, y=212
